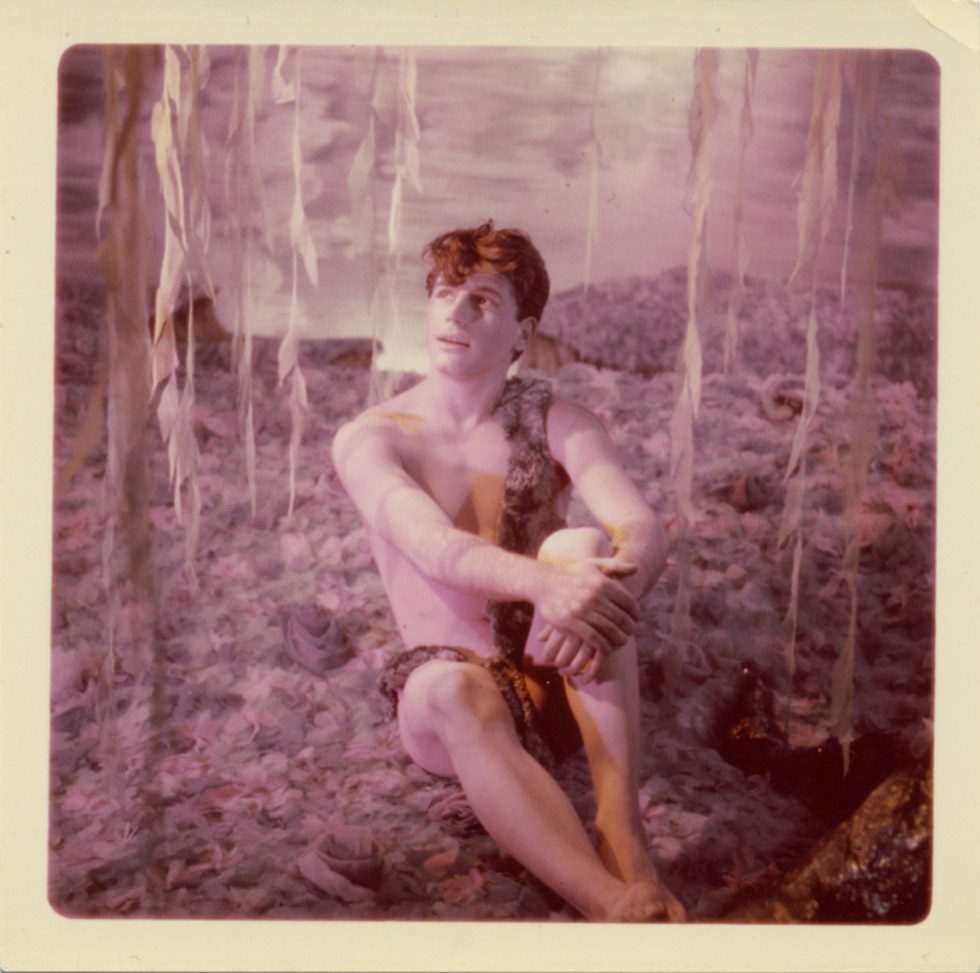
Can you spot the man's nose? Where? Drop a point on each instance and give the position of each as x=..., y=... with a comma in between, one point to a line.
x=460, y=310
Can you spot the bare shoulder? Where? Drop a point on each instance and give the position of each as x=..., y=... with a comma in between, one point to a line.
x=576, y=437
x=565, y=413
x=373, y=435
x=567, y=419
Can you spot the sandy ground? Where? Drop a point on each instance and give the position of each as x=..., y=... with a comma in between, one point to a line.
x=188, y=774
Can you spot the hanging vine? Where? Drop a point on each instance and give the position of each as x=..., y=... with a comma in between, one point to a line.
x=817, y=200
x=407, y=169
x=302, y=247
x=243, y=193
x=362, y=179
x=740, y=250
x=179, y=145
x=125, y=485
x=702, y=117
x=595, y=159
x=862, y=424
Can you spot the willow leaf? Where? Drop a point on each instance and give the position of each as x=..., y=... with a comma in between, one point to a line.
x=256, y=77
x=741, y=258
x=595, y=153
x=842, y=685
x=361, y=187
x=360, y=176
x=299, y=231
x=819, y=179
x=110, y=132
x=861, y=411
x=239, y=180
x=702, y=116
x=680, y=621
x=682, y=452
x=198, y=208
x=283, y=92
x=174, y=251
x=125, y=549
x=791, y=619
x=811, y=393
x=792, y=507
x=288, y=359
x=298, y=407
x=395, y=217
x=409, y=133
x=814, y=211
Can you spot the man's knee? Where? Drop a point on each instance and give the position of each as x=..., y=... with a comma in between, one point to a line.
x=462, y=700
x=575, y=542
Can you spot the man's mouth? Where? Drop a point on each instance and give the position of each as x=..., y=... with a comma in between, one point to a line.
x=456, y=342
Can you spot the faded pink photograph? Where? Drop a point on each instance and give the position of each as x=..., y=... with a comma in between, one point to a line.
x=494, y=483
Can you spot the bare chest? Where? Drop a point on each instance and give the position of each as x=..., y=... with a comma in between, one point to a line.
x=465, y=473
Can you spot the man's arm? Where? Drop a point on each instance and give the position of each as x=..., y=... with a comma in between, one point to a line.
x=583, y=599
x=581, y=444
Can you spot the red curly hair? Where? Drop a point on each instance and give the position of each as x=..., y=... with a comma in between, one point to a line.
x=508, y=253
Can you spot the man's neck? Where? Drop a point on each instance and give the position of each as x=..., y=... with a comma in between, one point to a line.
x=462, y=402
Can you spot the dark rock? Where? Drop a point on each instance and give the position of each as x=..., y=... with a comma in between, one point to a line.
x=746, y=730
x=749, y=736
x=816, y=775
x=874, y=867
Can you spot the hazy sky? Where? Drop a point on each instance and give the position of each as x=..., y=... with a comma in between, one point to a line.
x=507, y=133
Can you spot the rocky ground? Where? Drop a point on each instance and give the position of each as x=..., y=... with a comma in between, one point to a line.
x=189, y=772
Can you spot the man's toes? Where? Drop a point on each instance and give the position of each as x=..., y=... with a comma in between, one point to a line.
x=646, y=902
x=641, y=902
x=675, y=911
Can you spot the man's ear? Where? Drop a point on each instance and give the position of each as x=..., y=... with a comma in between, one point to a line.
x=528, y=326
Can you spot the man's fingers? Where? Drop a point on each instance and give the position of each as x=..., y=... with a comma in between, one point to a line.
x=615, y=567
x=569, y=650
x=619, y=595
x=552, y=645
x=597, y=629
x=582, y=659
x=577, y=664
x=585, y=667
x=606, y=634
x=625, y=622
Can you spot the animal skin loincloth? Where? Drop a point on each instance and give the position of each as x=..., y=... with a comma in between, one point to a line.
x=534, y=499
x=507, y=677
x=530, y=510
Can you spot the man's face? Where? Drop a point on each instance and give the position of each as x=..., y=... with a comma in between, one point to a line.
x=472, y=327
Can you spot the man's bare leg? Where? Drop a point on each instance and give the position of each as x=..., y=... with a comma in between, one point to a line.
x=607, y=711
x=454, y=722
x=607, y=714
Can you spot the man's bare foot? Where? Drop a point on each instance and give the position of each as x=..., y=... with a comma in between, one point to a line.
x=646, y=902
x=625, y=853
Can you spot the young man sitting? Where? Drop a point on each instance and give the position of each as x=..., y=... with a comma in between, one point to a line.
x=462, y=481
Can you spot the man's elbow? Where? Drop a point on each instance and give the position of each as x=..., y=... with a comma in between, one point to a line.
x=338, y=444
x=657, y=548
x=341, y=448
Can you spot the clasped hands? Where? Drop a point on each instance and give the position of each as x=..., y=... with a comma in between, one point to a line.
x=589, y=613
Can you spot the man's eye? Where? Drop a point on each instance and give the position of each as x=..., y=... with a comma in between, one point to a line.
x=479, y=301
